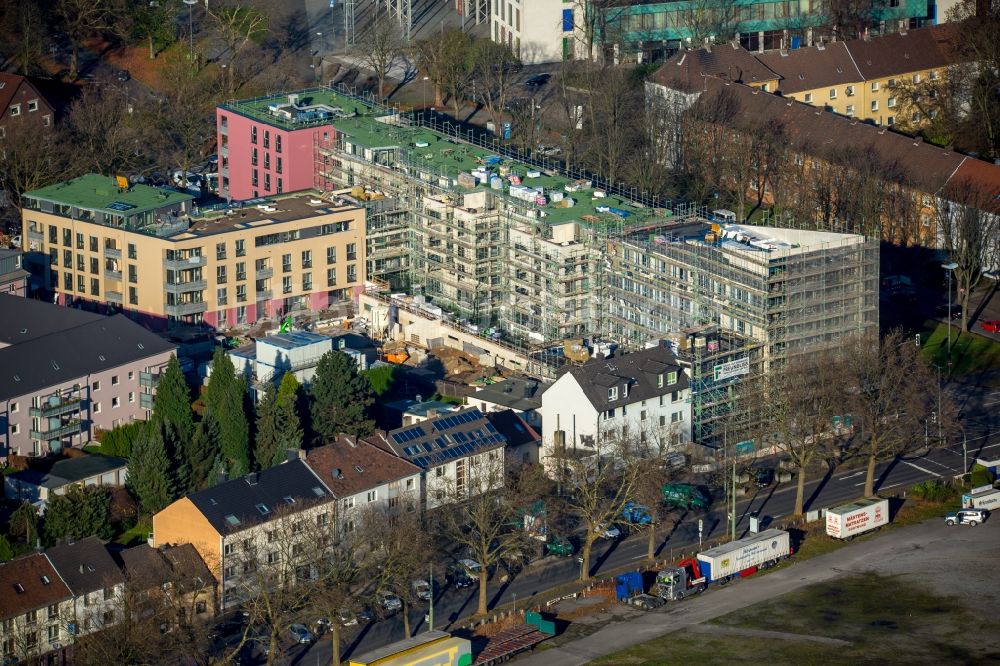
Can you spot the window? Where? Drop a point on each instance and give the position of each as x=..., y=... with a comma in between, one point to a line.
x=79, y=241
x=273, y=557
x=440, y=471
x=933, y=75
x=331, y=255
x=253, y=134
x=307, y=282
x=875, y=105
x=53, y=611
x=277, y=143
x=916, y=78
x=915, y=117
x=676, y=417
x=286, y=284
x=96, y=386
x=108, y=593
x=610, y=414
x=286, y=263
x=53, y=633
x=874, y=86
x=32, y=105
x=15, y=428
x=281, y=187
x=220, y=251
x=131, y=251
x=114, y=380
x=849, y=110
x=241, y=270
x=114, y=402
x=352, y=251
x=221, y=296
x=890, y=121
x=230, y=571
x=277, y=164
x=891, y=83
x=833, y=93
x=850, y=91
x=241, y=248
x=267, y=181
x=348, y=503
x=254, y=179
x=891, y=103
x=14, y=408
x=613, y=393
x=372, y=495
x=267, y=159
x=352, y=273
x=220, y=274
x=31, y=617
x=331, y=277
x=131, y=397
x=642, y=415
x=15, y=109
x=93, y=243
x=307, y=258
x=133, y=296
x=241, y=293
x=322, y=519
x=133, y=274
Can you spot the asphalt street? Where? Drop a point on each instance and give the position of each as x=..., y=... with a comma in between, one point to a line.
x=778, y=501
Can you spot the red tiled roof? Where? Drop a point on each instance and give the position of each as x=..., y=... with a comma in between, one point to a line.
x=903, y=52
x=729, y=62
x=812, y=67
x=23, y=587
x=337, y=466
x=9, y=83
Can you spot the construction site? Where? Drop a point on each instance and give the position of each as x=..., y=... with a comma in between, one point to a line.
x=529, y=256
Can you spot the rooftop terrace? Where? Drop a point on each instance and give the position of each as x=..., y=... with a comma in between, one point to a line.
x=102, y=194
x=259, y=212
x=313, y=107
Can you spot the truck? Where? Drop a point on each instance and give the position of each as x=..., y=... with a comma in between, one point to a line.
x=684, y=496
x=984, y=497
x=744, y=557
x=849, y=520
x=679, y=581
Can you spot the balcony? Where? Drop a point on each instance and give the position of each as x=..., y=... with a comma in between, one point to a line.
x=36, y=236
x=264, y=295
x=264, y=273
x=182, y=287
x=193, y=261
x=183, y=309
x=112, y=275
x=112, y=253
x=146, y=400
x=57, y=406
x=113, y=296
x=73, y=427
x=149, y=379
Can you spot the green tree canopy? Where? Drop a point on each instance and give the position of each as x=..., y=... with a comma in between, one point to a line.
x=340, y=398
x=225, y=398
x=80, y=513
x=278, y=425
x=119, y=440
x=201, y=452
x=150, y=478
x=24, y=524
x=381, y=378
x=172, y=403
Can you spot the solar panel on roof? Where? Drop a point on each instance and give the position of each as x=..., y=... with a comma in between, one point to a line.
x=459, y=437
x=120, y=206
x=441, y=443
x=427, y=447
x=489, y=426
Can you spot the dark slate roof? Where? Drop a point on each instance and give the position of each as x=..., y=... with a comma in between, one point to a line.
x=812, y=67
x=729, y=62
x=179, y=565
x=516, y=393
x=510, y=424
x=26, y=319
x=70, y=470
x=904, y=52
x=350, y=466
x=27, y=583
x=85, y=565
x=233, y=506
x=438, y=440
x=68, y=354
x=639, y=370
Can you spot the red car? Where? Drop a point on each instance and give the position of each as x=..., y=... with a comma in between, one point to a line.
x=992, y=326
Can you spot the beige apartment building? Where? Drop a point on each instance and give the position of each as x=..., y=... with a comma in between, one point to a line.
x=152, y=253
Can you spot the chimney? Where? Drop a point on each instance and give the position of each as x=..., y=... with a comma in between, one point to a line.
x=431, y=413
x=252, y=478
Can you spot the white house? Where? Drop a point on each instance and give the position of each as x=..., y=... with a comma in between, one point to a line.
x=460, y=454
x=363, y=477
x=520, y=394
x=537, y=30
x=644, y=394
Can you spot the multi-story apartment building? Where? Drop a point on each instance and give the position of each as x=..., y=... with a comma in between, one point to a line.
x=95, y=581
x=13, y=277
x=66, y=373
x=147, y=252
x=646, y=30
x=35, y=609
x=536, y=30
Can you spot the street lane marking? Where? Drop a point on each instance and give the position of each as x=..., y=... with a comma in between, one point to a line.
x=922, y=469
x=851, y=476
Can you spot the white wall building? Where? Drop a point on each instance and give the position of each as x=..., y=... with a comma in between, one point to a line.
x=644, y=394
x=537, y=30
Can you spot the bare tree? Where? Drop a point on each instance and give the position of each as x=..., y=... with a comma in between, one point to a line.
x=238, y=24
x=494, y=68
x=445, y=60
x=380, y=45
x=31, y=157
x=109, y=136
x=81, y=19
x=886, y=386
x=335, y=591
x=969, y=226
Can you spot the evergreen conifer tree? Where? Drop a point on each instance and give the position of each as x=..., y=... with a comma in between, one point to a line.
x=224, y=398
x=278, y=425
x=340, y=398
x=149, y=476
x=201, y=451
x=172, y=402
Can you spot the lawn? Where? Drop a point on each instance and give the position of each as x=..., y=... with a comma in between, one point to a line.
x=910, y=625
x=134, y=536
x=970, y=353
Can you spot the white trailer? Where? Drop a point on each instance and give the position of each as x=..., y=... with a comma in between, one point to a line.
x=757, y=551
x=849, y=520
x=984, y=497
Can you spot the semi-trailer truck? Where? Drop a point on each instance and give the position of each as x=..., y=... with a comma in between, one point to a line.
x=849, y=520
x=679, y=581
x=744, y=556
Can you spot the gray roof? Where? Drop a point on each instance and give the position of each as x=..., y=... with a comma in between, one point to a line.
x=25, y=319
x=518, y=393
x=438, y=440
x=70, y=470
x=256, y=498
x=85, y=565
x=178, y=565
x=639, y=370
x=70, y=353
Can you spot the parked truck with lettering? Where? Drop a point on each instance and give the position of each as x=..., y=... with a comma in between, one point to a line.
x=744, y=557
x=849, y=520
x=984, y=497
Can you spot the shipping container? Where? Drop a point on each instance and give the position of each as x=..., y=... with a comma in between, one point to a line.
x=849, y=520
x=756, y=550
x=982, y=498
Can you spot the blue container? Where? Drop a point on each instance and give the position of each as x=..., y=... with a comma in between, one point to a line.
x=627, y=585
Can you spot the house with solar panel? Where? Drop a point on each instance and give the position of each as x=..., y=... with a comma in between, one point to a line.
x=460, y=454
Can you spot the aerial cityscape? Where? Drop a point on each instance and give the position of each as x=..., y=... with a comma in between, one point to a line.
x=454, y=332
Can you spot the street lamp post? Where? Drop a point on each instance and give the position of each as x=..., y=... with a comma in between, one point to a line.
x=950, y=266
x=190, y=4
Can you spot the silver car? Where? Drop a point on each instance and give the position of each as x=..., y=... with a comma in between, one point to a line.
x=971, y=517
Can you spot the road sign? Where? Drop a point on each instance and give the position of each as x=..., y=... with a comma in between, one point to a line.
x=506, y=131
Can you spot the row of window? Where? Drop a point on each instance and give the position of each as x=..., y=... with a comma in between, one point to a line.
x=267, y=162
x=253, y=136
x=15, y=109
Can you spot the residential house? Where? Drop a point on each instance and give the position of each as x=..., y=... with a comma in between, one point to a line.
x=95, y=582
x=64, y=374
x=148, y=252
x=524, y=442
x=521, y=394
x=407, y=412
x=36, y=609
x=13, y=276
x=460, y=454
x=36, y=485
x=169, y=582
x=363, y=478
x=642, y=395
x=261, y=524
x=536, y=30
x=22, y=104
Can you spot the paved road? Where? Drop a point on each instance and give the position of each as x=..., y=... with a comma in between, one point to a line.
x=918, y=550
x=838, y=487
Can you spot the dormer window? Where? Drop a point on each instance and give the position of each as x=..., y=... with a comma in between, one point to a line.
x=672, y=378
x=624, y=390
x=613, y=393
x=263, y=508
x=659, y=380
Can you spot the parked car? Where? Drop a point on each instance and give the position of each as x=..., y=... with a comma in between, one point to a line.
x=560, y=547
x=538, y=80
x=422, y=590
x=991, y=326
x=607, y=531
x=549, y=151
x=389, y=602
x=646, y=602
x=346, y=617
x=366, y=614
x=301, y=634
x=762, y=476
x=942, y=311
x=123, y=75
x=675, y=460
x=971, y=517
x=457, y=576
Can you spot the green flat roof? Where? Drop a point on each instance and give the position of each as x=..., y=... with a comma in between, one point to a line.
x=259, y=109
x=101, y=193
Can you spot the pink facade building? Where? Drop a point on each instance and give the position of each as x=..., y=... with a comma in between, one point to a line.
x=267, y=145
